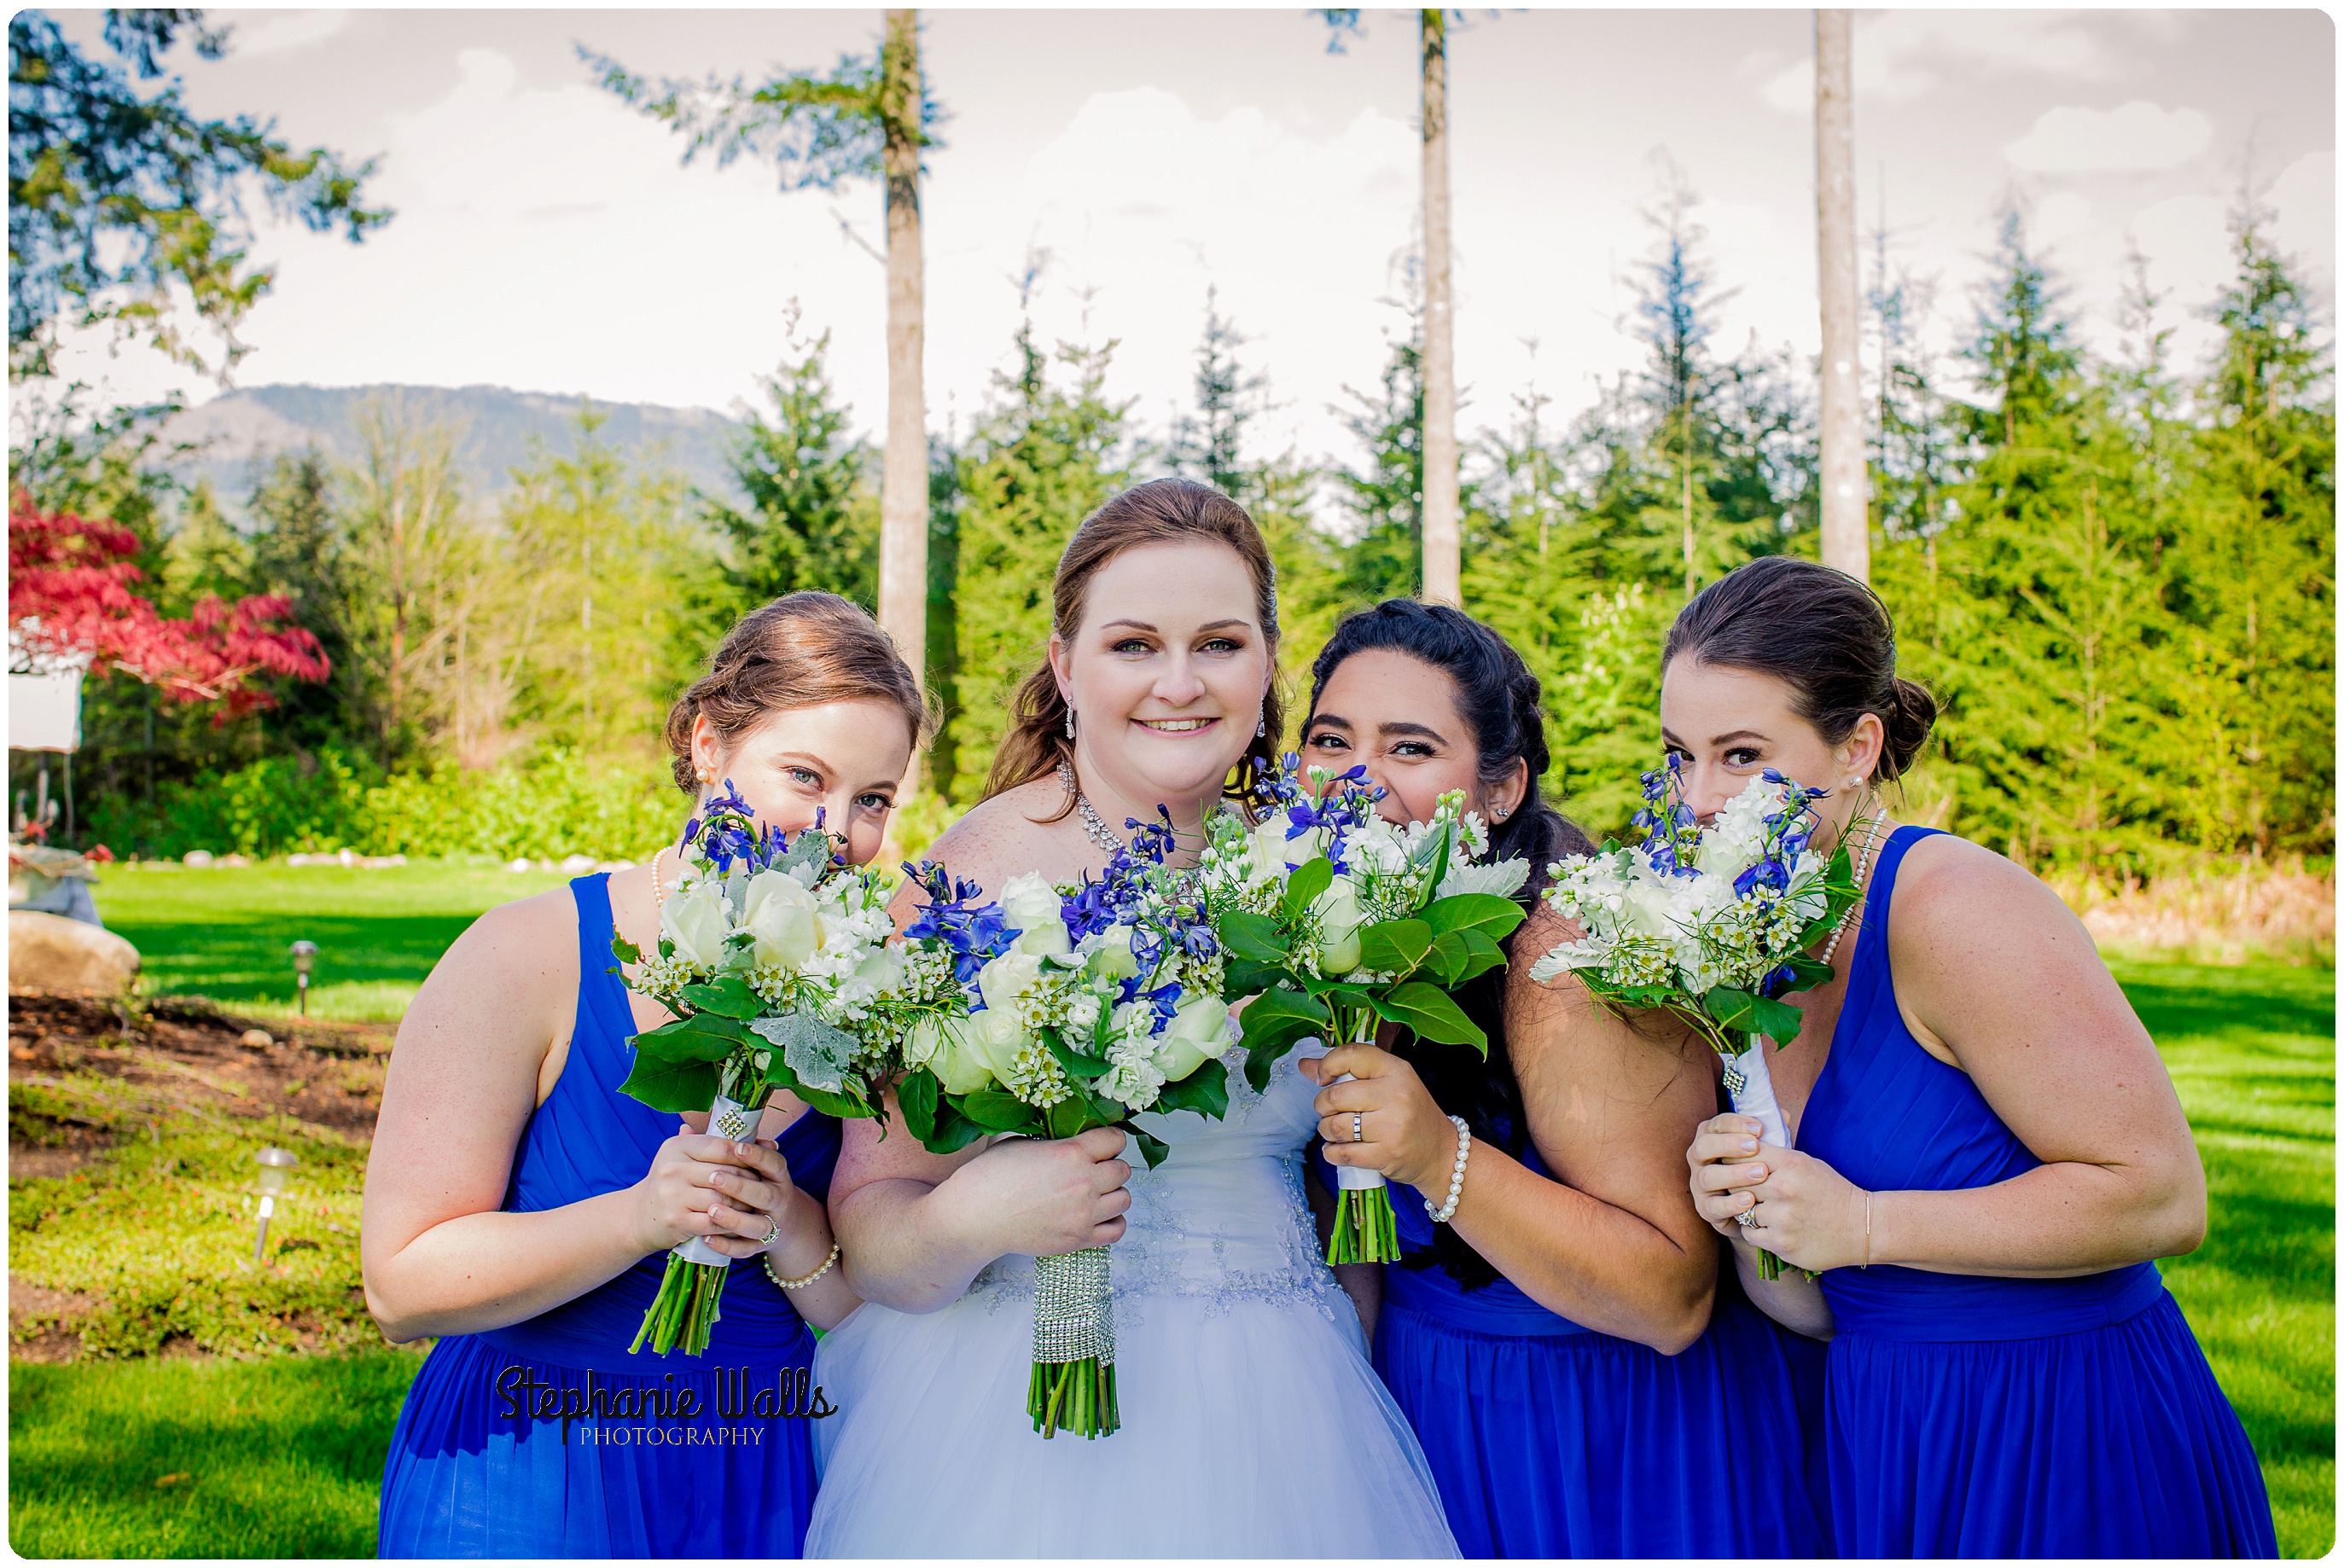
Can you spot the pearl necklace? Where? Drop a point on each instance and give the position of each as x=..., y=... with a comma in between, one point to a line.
x=1097, y=831
x=1862, y=862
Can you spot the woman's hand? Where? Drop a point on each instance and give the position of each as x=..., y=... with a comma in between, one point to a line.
x=729, y=1194
x=1405, y=1135
x=1042, y=1197
x=1808, y=1213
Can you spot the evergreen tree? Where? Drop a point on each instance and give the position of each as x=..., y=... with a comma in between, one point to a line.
x=812, y=519
x=1044, y=459
x=1208, y=445
x=1384, y=558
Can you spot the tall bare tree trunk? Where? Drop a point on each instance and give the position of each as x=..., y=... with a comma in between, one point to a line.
x=1442, y=574
x=1846, y=539
x=904, y=486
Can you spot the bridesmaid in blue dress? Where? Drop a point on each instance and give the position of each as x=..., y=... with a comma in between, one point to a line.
x=1582, y=1381
x=1990, y=1154
x=519, y=1207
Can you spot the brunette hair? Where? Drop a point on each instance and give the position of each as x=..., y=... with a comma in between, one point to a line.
x=1823, y=634
x=1162, y=511
x=797, y=651
x=1498, y=697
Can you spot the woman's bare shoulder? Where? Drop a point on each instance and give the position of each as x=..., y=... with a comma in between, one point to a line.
x=518, y=958
x=999, y=837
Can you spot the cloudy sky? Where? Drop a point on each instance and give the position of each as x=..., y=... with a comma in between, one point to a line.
x=549, y=239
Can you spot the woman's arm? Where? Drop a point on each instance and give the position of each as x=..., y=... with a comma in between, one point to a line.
x=438, y=1255
x=1994, y=976
x=1717, y=1158
x=1612, y=1243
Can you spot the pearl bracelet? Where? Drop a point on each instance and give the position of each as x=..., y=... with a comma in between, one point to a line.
x=827, y=1265
x=1456, y=1174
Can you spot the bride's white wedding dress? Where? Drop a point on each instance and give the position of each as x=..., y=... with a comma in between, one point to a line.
x=1253, y=1424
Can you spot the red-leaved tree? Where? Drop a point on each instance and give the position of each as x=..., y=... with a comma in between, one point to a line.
x=69, y=593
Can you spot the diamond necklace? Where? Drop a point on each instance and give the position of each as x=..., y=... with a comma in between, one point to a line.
x=1098, y=832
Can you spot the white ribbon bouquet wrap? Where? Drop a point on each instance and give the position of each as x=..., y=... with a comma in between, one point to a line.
x=1710, y=925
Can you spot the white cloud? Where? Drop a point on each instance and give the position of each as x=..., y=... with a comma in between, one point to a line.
x=286, y=31
x=2139, y=136
x=2303, y=199
x=1900, y=56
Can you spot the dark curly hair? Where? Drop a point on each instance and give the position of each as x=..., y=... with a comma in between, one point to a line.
x=1499, y=698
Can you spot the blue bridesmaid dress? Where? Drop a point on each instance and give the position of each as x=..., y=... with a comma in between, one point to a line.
x=1552, y=1440
x=671, y=1457
x=1979, y=1417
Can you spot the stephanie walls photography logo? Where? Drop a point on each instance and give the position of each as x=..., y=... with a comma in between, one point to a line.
x=666, y=1414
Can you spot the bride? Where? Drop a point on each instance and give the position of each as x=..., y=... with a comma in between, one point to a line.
x=1253, y=1424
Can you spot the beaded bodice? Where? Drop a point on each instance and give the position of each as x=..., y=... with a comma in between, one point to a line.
x=1222, y=1219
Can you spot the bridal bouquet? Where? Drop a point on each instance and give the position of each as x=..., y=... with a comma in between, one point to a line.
x=1710, y=925
x=1082, y=1007
x=773, y=956
x=1334, y=919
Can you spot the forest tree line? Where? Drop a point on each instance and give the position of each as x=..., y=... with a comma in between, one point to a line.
x=2115, y=572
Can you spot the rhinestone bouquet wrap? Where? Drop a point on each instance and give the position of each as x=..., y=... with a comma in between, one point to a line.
x=1710, y=925
x=1079, y=1007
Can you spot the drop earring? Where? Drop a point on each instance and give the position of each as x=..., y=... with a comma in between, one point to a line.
x=1261, y=729
x=1070, y=724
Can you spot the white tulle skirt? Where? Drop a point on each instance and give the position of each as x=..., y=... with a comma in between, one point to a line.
x=1253, y=1426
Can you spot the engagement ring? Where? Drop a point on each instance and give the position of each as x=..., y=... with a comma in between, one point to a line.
x=1748, y=1217
x=1358, y=1135
x=772, y=1229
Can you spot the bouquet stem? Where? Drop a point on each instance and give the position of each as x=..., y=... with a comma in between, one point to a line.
x=691, y=1291
x=1364, y=1230
x=1073, y=1385
x=1752, y=1088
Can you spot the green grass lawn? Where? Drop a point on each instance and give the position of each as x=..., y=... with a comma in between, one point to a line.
x=2253, y=1052
x=225, y=932
x=280, y=1458
x=281, y=1455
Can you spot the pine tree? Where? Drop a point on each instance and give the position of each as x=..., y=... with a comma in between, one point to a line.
x=1384, y=558
x=1045, y=458
x=812, y=518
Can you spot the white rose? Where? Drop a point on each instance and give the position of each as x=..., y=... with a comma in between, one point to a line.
x=1109, y=953
x=1199, y=1031
x=1031, y=906
x=1339, y=917
x=1274, y=854
x=995, y=1038
x=944, y=1046
x=696, y=921
x=780, y=913
x=1003, y=978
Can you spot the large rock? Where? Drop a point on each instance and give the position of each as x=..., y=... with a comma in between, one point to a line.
x=48, y=953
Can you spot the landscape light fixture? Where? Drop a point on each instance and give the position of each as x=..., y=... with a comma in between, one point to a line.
x=305, y=959
x=274, y=1163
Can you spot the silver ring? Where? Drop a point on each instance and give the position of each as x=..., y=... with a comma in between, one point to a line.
x=1358, y=1135
x=773, y=1230
x=1748, y=1217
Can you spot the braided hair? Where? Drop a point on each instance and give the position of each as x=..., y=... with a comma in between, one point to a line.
x=1498, y=697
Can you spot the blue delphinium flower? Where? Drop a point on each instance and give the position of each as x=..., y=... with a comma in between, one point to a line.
x=973, y=935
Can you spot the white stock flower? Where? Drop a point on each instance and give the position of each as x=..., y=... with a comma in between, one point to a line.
x=1504, y=878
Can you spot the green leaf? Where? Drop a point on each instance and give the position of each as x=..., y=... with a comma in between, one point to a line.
x=1152, y=1148
x=1395, y=947
x=676, y=1086
x=1251, y=935
x=1806, y=973
x=1282, y=1016
x=816, y=1054
x=625, y=951
x=1079, y=1067
x=954, y=1132
x=1428, y=1011
x=727, y=996
x=687, y=1040
x=1446, y=962
x=1738, y=1010
x=1492, y=916
x=1251, y=977
x=1204, y=1092
x=1313, y=878
x=916, y=1095
x=996, y=1110
x=1076, y=1113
